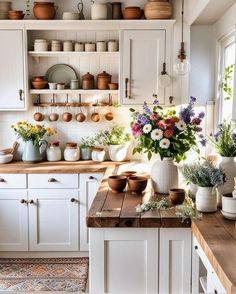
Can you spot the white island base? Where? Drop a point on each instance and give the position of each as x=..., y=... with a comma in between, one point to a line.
x=140, y=260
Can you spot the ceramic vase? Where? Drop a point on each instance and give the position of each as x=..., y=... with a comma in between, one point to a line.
x=164, y=175
x=85, y=153
x=228, y=164
x=32, y=151
x=117, y=152
x=206, y=199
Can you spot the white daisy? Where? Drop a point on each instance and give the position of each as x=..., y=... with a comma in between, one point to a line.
x=147, y=129
x=164, y=143
x=181, y=125
x=157, y=134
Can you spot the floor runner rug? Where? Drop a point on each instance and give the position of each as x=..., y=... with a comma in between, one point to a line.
x=43, y=274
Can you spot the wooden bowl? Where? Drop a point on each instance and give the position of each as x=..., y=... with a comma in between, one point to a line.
x=158, y=10
x=176, y=196
x=137, y=184
x=113, y=86
x=39, y=84
x=117, y=183
x=132, y=12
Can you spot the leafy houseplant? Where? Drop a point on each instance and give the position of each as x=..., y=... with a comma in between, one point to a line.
x=227, y=83
x=116, y=138
x=207, y=177
x=86, y=146
x=171, y=135
x=32, y=135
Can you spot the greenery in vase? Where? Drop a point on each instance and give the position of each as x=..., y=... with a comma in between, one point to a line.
x=30, y=132
x=164, y=132
x=225, y=139
x=88, y=142
x=227, y=84
x=116, y=135
x=204, y=174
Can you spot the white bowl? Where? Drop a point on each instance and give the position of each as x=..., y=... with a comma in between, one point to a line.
x=231, y=216
x=70, y=16
x=229, y=204
x=52, y=86
x=6, y=158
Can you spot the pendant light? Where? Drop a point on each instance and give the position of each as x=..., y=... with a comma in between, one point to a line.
x=182, y=65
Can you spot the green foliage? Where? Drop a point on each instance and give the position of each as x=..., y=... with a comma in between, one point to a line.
x=88, y=142
x=203, y=174
x=116, y=135
x=227, y=83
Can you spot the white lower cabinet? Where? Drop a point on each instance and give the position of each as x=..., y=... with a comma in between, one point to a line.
x=13, y=220
x=89, y=184
x=140, y=260
x=53, y=220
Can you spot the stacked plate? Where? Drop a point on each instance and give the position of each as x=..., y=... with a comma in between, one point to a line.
x=5, y=6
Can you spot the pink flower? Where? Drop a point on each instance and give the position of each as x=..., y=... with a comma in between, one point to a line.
x=136, y=130
x=168, y=121
x=161, y=125
x=155, y=117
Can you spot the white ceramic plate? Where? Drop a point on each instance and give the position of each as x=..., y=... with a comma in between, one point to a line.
x=61, y=73
x=231, y=216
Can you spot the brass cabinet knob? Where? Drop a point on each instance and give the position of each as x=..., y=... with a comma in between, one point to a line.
x=23, y=201
x=2, y=180
x=52, y=180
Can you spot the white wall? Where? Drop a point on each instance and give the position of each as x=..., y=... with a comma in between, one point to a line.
x=202, y=77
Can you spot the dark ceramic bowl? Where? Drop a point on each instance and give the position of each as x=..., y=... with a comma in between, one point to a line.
x=137, y=184
x=177, y=196
x=117, y=183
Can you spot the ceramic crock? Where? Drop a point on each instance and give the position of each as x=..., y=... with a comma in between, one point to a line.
x=98, y=11
x=103, y=81
x=85, y=152
x=44, y=10
x=88, y=81
x=206, y=199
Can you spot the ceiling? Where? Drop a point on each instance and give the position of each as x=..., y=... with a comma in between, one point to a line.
x=213, y=11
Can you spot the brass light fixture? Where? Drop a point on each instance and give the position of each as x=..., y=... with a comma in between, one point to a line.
x=182, y=65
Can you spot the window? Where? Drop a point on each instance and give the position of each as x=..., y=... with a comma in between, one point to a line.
x=226, y=77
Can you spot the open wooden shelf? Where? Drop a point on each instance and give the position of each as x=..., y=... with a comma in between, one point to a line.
x=73, y=92
x=70, y=104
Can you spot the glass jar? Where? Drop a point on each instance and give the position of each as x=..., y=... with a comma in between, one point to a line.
x=54, y=151
x=98, y=154
x=72, y=152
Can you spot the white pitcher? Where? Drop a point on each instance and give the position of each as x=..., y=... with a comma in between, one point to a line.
x=98, y=11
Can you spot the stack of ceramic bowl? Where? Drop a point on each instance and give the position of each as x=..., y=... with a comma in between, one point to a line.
x=5, y=6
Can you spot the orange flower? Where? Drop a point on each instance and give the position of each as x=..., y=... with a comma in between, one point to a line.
x=168, y=133
x=174, y=119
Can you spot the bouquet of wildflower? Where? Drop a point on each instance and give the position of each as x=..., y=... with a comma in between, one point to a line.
x=204, y=174
x=88, y=142
x=225, y=139
x=116, y=135
x=29, y=132
x=165, y=132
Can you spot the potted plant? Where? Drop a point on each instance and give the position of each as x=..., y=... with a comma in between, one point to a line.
x=207, y=177
x=32, y=135
x=224, y=142
x=116, y=138
x=86, y=147
x=168, y=134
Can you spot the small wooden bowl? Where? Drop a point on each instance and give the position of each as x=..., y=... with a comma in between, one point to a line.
x=117, y=183
x=132, y=12
x=113, y=86
x=39, y=84
x=177, y=196
x=137, y=184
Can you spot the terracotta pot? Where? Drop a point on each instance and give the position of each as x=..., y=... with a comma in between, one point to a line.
x=39, y=84
x=103, y=79
x=117, y=183
x=137, y=184
x=129, y=173
x=88, y=81
x=177, y=196
x=158, y=10
x=44, y=10
x=113, y=86
x=132, y=12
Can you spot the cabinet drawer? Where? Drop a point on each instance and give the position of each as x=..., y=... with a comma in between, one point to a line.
x=53, y=181
x=11, y=181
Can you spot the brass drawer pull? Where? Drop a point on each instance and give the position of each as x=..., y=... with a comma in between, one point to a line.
x=52, y=180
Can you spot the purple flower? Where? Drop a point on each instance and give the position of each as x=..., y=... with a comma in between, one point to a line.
x=234, y=136
x=186, y=114
x=156, y=102
x=193, y=99
x=203, y=142
x=216, y=136
x=146, y=109
x=201, y=114
x=201, y=136
x=143, y=120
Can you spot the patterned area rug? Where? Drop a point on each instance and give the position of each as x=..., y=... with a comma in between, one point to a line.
x=44, y=274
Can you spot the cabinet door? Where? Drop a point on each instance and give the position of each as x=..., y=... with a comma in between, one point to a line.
x=143, y=54
x=13, y=220
x=175, y=261
x=12, y=88
x=53, y=220
x=89, y=184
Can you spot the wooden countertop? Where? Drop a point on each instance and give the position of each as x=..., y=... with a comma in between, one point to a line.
x=217, y=237
x=64, y=167
x=119, y=210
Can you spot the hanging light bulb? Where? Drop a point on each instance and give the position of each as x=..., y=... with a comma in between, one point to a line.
x=182, y=65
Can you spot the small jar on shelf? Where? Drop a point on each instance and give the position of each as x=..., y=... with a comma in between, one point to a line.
x=54, y=151
x=98, y=154
x=79, y=47
x=68, y=46
x=71, y=152
x=88, y=82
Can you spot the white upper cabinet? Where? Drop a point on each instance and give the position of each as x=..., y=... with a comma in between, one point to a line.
x=143, y=53
x=12, y=84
